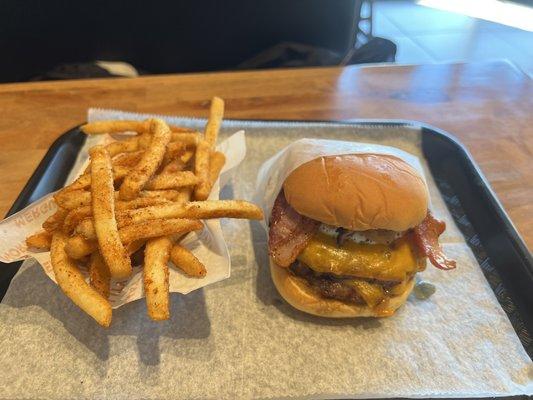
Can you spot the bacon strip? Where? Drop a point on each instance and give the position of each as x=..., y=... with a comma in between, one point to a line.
x=289, y=232
x=426, y=237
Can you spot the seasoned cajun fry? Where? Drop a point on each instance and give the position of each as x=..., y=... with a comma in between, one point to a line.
x=186, y=156
x=194, y=210
x=84, y=181
x=86, y=229
x=216, y=112
x=141, y=173
x=158, y=227
x=184, y=195
x=128, y=145
x=127, y=159
x=100, y=127
x=172, y=167
x=78, y=247
x=103, y=205
x=181, y=129
x=187, y=139
x=54, y=221
x=71, y=281
x=75, y=216
x=201, y=170
x=135, y=246
x=72, y=198
x=162, y=194
x=155, y=274
x=172, y=180
x=216, y=163
x=99, y=276
x=40, y=241
x=187, y=262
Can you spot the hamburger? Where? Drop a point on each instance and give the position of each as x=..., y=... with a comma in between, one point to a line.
x=348, y=233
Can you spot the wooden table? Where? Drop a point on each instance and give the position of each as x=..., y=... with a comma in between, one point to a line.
x=488, y=106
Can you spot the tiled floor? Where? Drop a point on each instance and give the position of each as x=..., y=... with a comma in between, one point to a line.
x=425, y=35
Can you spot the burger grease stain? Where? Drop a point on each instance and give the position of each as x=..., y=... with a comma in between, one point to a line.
x=424, y=290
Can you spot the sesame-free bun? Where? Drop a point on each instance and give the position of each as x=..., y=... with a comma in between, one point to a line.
x=301, y=296
x=359, y=192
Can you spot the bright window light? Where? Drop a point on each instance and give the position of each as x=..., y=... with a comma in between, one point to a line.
x=511, y=14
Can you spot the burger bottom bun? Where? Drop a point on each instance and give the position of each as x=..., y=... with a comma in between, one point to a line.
x=301, y=296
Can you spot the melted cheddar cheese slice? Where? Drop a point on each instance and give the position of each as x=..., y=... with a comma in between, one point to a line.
x=395, y=262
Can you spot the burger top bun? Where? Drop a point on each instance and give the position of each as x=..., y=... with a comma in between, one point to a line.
x=359, y=192
x=301, y=296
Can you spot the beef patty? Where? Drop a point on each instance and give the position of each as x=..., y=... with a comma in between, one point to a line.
x=328, y=286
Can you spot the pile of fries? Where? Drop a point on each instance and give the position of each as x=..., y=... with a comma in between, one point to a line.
x=138, y=196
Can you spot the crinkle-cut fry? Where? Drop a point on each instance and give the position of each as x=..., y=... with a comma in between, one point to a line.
x=127, y=159
x=114, y=126
x=128, y=145
x=216, y=113
x=194, y=210
x=183, y=259
x=158, y=227
x=40, y=241
x=172, y=180
x=70, y=199
x=55, y=221
x=201, y=170
x=143, y=171
x=155, y=278
x=99, y=276
x=103, y=205
x=187, y=139
x=78, y=247
x=72, y=283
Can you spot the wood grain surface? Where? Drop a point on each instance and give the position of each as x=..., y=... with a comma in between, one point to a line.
x=488, y=106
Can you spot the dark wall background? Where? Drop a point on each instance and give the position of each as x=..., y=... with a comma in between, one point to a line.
x=163, y=36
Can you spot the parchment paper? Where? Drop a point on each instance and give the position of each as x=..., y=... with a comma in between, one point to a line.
x=208, y=245
x=238, y=339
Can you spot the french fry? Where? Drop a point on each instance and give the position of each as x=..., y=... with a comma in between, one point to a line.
x=201, y=170
x=162, y=194
x=187, y=262
x=55, y=221
x=86, y=229
x=184, y=195
x=128, y=145
x=194, y=210
x=172, y=180
x=216, y=163
x=186, y=156
x=216, y=112
x=100, y=127
x=142, y=172
x=39, y=241
x=84, y=181
x=181, y=129
x=75, y=216
x=172, y=167
x=158, y=227
x=127, y=159
x=72, y=198
x=99, y=276
x=187, y=139
x=103, y=205
x=155, y=274
x=72, y=283
x=78, y=247
x=174, y=151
